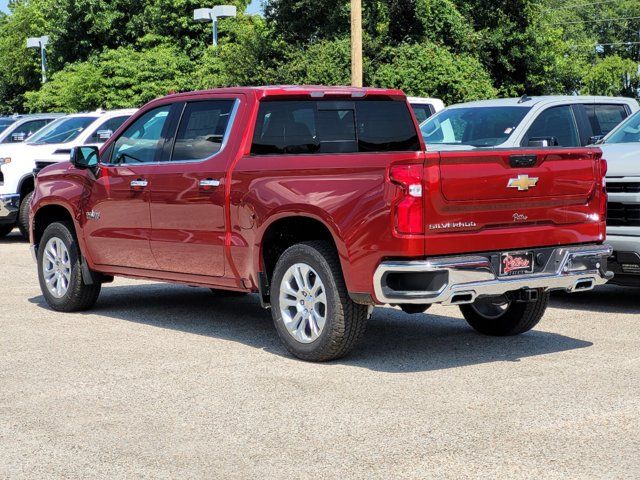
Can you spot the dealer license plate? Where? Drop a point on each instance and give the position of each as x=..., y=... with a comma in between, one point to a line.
x=516, y=263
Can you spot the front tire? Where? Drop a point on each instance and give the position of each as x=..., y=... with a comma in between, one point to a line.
x=313, y=314
x=60, y=271
x=23, y=215
x=500, y=318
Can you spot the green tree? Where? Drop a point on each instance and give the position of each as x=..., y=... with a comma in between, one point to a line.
x=429, y=70
x=612, y=75
x=124, y=77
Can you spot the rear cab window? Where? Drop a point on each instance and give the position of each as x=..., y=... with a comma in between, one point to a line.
x=374, y=124
x=605, y=117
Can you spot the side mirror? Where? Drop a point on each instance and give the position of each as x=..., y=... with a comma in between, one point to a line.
x=84, y=157
x=103, y=135
x=17, y=137
x=543, y=142
x=596, y=139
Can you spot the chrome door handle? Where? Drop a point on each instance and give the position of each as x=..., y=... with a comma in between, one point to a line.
x=209, y=183
x=139, y=183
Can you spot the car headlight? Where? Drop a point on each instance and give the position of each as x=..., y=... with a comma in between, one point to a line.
x=5, y=160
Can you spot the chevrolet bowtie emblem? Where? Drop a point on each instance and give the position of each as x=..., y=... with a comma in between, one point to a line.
x=523, y=182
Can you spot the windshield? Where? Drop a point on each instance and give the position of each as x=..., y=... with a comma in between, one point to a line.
x=475, y=126
x=61, y=131
x=4, y=123
x=628, y=132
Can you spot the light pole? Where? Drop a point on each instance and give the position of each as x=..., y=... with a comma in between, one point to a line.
x=202, y=15
x=41, y=43
x=356, y=43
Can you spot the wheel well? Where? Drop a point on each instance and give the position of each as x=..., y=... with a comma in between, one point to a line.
x=286, y=232
x=26, y=186
x=46, y=216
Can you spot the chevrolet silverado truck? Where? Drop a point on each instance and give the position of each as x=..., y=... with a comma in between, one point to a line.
x=324, y=202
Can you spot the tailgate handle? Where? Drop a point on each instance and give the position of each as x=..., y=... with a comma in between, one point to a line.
x=522, y=161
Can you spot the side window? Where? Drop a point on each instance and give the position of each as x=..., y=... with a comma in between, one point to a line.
x=556, y=122
x=24, y=131
x=604, y=118
x=141, y=141
x=202, y=129
x=105, y=130
x=422, y=111
x=285, y=127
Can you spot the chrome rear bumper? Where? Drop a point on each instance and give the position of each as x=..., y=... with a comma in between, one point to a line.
x=458, y=280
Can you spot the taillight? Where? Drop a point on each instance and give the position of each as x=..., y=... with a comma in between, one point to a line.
x=408, y=206
x=604, y=196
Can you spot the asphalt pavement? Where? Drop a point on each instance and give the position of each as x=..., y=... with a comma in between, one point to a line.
x=167, y=381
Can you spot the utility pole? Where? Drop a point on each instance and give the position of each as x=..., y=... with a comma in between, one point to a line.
x=356, y=43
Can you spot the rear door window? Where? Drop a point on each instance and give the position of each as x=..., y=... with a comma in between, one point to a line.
x=555, y=122
x=25, y=130
x=104, y=131
x=333, y=126
x=202, y=129
x=604, y=118
x=422, y=111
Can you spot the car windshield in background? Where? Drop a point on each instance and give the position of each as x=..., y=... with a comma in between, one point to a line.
x=5, y=123
x=475, y=126
x=62, y=131
x=629, y=131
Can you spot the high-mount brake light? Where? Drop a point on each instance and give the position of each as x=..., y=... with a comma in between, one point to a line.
x=408, y=206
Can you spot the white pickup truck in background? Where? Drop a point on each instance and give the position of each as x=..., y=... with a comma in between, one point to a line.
x=549, y=121
x=51, y=144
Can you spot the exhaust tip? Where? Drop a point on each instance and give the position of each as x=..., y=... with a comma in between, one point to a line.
x=583, y=285
x=462, y=298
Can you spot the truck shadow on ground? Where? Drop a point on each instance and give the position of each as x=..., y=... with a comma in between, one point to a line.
x=394, y=342
x=605, y=299
x=14, y=237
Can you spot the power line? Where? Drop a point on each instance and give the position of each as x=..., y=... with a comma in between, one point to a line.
x=579, y=5
x=604, y=44
x=596, y=20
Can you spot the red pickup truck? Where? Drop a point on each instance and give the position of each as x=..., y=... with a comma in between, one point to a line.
x=324, y=201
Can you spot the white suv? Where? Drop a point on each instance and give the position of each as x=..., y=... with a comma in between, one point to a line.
x=51, y=144
x=424, y=107
x=552, y=121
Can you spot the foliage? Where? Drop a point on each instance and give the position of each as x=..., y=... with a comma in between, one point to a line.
x=113, y=53
x=613, y=75
x=429, y=70
x=123, y=77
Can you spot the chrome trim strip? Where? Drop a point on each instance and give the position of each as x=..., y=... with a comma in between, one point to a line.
x=568, y=268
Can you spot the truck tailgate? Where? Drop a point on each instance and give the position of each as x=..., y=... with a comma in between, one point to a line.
x=512, y=198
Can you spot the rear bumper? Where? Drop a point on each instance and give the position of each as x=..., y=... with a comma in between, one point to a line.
x=9, y=205
x=458, y=280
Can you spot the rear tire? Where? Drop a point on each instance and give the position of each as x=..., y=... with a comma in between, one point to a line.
x=23, y=215
x=504, y=319
x=317, y=320
x=6, y=230
x=60, y=271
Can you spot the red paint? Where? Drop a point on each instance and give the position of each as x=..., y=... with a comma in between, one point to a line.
x=173, y=230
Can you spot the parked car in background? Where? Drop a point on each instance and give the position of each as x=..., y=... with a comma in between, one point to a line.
x=621, y=149
x=49, y=145
x=323, y=201
x=424, y=107
x=18, y=128
x=551, y=121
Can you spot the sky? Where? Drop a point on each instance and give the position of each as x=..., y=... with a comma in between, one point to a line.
x=253, y=8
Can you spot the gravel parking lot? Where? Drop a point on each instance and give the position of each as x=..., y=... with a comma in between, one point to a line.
x=167, y=381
